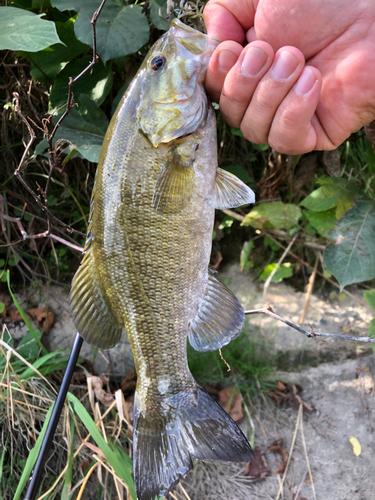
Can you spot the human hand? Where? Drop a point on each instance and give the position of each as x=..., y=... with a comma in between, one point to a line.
x=274, y=97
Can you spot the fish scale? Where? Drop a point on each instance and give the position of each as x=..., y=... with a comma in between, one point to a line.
x=147, y=254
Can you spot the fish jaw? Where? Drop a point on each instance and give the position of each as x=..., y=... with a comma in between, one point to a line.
x=173, y=101
x=190, y=43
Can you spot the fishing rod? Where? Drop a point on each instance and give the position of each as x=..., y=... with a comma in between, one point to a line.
x=51, y=428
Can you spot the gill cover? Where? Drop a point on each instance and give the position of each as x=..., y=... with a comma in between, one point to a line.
x=173, y=102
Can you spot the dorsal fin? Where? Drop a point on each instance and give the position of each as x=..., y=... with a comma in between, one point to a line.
x=230, y=191
x=220, y=318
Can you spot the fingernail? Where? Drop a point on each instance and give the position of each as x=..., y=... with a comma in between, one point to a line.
x=253, y=61
x=226, y=60
x=305, y=82
x=284, y=66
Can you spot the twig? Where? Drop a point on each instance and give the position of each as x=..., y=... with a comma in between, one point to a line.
x=311, y=334
x=16, y=254
x=309, y=290
x=45, y=234
x=32, y=135
x=234, y=214
x=225, y=361
x=299, y=417
x=266, y=284
x=364, y=304
x=307, y=456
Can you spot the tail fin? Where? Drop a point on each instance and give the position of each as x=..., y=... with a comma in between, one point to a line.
x=168, y=434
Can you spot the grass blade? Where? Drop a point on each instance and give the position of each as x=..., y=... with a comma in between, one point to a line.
x=1, y=467
x=65, y=494
x=25, y=318
x=40, y=362
x=119, y=465
x=32, y=458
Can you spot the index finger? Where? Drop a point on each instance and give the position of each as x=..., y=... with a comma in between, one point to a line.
x=228, y=19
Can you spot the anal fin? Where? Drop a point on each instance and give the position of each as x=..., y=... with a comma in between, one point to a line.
x=230, y=191
x=91, y=314
x=220, y=318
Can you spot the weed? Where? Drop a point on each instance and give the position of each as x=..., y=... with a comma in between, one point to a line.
x=250, y=365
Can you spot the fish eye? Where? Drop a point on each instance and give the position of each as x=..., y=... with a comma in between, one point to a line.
x=157, y=62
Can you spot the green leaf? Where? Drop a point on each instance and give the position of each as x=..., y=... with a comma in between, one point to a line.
x=236, y=131
x=284, y=271
x=260, y=147
x=155, y=5
x=50, y=61
x=322, y=221
x=13, y=260
x=121, y=467
x=36, y=334
x=343, y=190
x=369, y=296
x=351, y=256
x=319, y=202
x=84, y=128
x=245, y=263
x=67, y=5
x=18, y=211
x=32, y=458
x=120, y=29
x=2, y=307
x=24, y=30
x=96, y=84
x=226, y=223
x=270, y=243
x=371, y=328
x=274, y=215
x=28, y=348
x=239, y=172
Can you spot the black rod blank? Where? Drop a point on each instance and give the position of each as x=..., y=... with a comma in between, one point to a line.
x=47, y=441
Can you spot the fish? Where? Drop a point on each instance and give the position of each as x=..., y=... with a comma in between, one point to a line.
x=146, y=259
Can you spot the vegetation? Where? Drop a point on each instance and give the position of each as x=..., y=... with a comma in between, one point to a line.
x=322, y=203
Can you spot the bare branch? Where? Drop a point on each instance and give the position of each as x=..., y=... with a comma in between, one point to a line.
x=311, y=334
x=32, y=135
x=266, y=284
x=25, y=236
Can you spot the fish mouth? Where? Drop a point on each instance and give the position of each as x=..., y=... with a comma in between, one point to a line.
x=196, y=48
x=193, y=45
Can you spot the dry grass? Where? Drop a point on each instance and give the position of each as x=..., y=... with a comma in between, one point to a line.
x=75, y=462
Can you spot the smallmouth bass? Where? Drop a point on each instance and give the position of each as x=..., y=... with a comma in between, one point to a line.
x=145, y=264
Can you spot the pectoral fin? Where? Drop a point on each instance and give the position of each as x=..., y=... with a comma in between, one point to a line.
x=220, y=318
x=175, y=184
x=230, y=191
